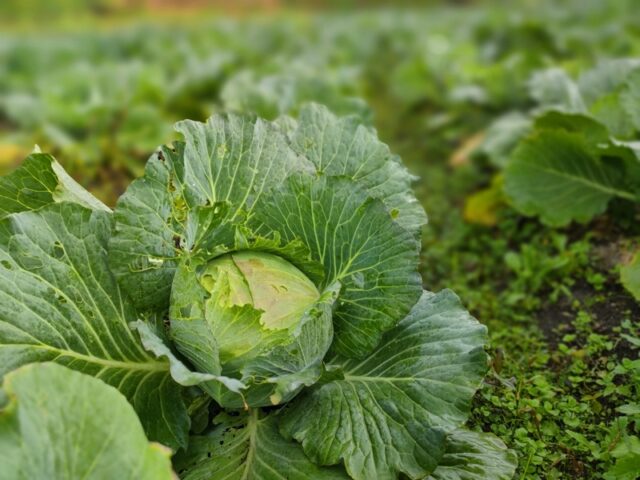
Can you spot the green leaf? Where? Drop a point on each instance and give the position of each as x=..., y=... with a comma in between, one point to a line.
x=64, y=424
x=475, y=456
x=630, y=276
x=40, y=181
x=606, y=78
x=608, y=92
x=609, y=110
x=576, y=123
x=233, y=159
x=502, y=137
x=147, y=234
x=553, y=88
x=630, y=408
x=627, y=455
x=598, y=140
x=630, y=99
x=59, y=302
x=271, y=94
x=345, y=147
x=180, y=373
x=230, y=160
x=558, y=176
x=390, y=412
x=249, y=447
x=360, y=246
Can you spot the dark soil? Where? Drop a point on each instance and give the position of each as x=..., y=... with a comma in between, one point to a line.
x=555, y=320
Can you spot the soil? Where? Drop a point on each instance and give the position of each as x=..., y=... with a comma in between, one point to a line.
x=555, y=320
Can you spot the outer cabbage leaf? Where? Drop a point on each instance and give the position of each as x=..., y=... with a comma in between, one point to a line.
x=606, y=78
x=345, y=147
x=391, y=412
x=360, y=246
x=631, y=99
x=475, y=456
x=560, y=176
x=40, y=181
x=553, y=88
x=249, y=447
x=611, y=111
x=598, y=141
x=282, y=93
x=180, y=373
x=502, y=137
x=584, y=126
x=59, y=302
x=606, y=91
x=63, y=424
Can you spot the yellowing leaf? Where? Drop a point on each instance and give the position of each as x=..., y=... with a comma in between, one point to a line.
x=482, y=207
x=463, y=153
x=10, y=155
x=630, y=276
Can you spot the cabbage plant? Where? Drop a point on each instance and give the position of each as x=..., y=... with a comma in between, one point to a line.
x=252, y=303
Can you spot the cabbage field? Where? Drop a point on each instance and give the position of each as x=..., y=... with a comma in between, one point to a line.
x=329, y=241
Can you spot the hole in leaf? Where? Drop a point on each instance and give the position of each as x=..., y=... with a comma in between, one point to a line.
x=58, y=250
